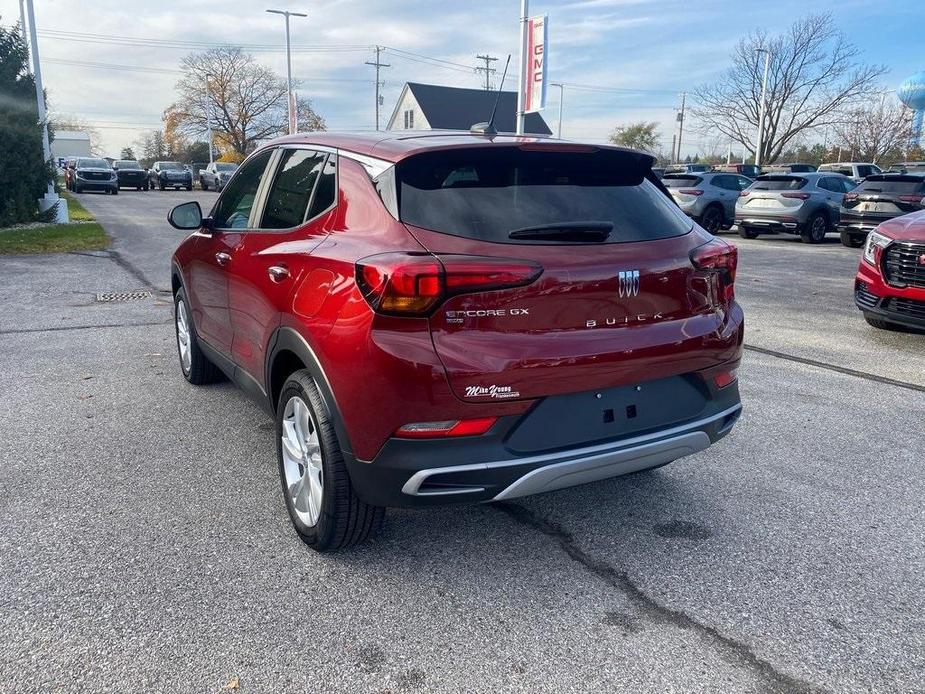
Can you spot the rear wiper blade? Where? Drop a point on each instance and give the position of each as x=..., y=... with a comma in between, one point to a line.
x=565, y=231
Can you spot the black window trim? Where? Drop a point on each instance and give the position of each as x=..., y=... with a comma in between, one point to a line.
x=271, y=162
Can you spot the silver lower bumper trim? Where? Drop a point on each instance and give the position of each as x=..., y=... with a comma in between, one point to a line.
x=581, y=465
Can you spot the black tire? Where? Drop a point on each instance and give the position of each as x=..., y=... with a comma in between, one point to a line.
x=747, y=232
x=203, y=184
x=815, y=229
x=115, y=191
x=189, y=186
x=78, y=189
x=712, y=218
x=344, y=519
x=200, y=370
x=146, y=187
x=851, y=240
x=160, y=185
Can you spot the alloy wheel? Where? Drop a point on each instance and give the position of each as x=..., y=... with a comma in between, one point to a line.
x=183, y=337
x=302, y=465
x=818, y=229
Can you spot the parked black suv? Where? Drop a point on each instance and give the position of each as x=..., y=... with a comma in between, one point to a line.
x=878, y=198
x=130, y=174
x=94, y=174
x=170, y=174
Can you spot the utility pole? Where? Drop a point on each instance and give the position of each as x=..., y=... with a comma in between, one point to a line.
x=764, y=89
x=524, y=62
x=378, y=64
x=293, y=111
x=561, y=100
x=51, y=197
x=488, y=69
x=674, y=144
x=681, y=122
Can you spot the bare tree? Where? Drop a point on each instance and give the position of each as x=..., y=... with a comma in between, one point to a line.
x=245, y=101
x=813, y=75
x=68, y=121
x=874, y=130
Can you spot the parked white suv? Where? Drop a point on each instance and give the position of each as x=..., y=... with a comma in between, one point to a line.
x=854, y=170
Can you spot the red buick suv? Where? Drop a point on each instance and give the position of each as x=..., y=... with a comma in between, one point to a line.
x=890, y=284
x=453, y=317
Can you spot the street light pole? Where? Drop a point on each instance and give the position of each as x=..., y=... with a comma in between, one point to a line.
x=561, y=100
x=51, y=197
x=764, y=89
x=290, y=97
x=524, y=11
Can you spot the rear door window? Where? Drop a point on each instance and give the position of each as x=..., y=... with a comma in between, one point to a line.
x=486, y=193
x=292, y=188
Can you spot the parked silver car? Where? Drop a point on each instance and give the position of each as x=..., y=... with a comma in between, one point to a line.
x=710, y=198
x=857, y=171
x=806, y=204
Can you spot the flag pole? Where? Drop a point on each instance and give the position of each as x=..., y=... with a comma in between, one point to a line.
x=522, y=81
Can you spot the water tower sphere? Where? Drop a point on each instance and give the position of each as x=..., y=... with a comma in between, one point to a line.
x=912, y=93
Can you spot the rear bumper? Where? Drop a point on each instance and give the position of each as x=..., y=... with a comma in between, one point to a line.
x=859, y=224
x=410, y=473
x=781, y=223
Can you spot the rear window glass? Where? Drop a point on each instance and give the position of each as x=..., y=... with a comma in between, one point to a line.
x=893, y=184
x=779, y=183
x=486, y=193
x=675, y=181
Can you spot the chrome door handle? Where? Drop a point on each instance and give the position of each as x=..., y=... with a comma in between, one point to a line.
x=278, y=272
x=222, y=258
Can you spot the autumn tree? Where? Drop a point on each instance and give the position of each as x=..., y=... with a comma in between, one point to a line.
x=814, y=75
x=244, y=102
x=642, y=135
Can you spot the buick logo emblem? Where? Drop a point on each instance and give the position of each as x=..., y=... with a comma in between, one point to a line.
x=629, y=283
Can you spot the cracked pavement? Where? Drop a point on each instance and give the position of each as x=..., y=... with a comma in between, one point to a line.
x=144, y=545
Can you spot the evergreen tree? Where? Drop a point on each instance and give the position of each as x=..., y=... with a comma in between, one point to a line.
x=24, y=173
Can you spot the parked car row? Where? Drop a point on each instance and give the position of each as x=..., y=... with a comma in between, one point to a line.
x=99, y=174
x=857, y=171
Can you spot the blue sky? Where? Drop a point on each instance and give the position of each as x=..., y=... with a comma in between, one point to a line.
x=662, y=47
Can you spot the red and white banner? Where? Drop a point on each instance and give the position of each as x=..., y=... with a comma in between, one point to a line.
x=535, y=77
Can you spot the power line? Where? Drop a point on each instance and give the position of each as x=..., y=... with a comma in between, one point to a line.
x=488, y=69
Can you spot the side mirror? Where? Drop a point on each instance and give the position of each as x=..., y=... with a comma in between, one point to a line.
x=186, y=217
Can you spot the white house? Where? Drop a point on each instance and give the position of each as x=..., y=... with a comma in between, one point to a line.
x=434, y=107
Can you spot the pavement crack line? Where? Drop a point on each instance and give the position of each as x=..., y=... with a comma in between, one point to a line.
x=99, y=326
x=134, y=271
x=837, y=369
x=777, y=681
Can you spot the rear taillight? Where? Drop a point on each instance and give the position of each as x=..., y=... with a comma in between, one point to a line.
x=849, y=197
x=798, y=196
x=917, y=199
x=744, y=194
x=447, y=429
x=690, y=191
x=721, y=259
x=413, y=284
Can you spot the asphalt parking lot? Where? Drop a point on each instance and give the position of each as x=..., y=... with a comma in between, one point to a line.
x=144, y=545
